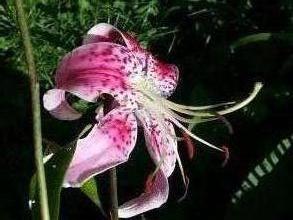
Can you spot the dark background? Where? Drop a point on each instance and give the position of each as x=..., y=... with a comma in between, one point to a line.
x=211, y=71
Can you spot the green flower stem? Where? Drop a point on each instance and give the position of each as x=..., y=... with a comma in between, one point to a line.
x=113, y=193
x=35, y=104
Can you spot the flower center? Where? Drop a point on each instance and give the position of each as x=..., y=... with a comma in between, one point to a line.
x=141, y=83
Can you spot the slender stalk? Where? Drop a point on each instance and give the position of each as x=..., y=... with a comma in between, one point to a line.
x=113, y=194
x=35, y=104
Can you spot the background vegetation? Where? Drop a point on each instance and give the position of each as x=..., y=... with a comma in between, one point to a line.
x=221, y=48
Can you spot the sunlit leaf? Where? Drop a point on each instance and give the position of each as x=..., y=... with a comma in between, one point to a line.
x=90, y=189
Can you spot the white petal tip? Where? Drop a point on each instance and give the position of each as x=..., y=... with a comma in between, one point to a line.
x=54, y=101
x=100, y=29
x=51, y=99
x=70, y=185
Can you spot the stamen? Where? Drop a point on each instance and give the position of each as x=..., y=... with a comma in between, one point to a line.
x=186, y=109
x=180, y=167
x=194, y=120
x=173, y=117
x=156, y=103
x=206, y=107
x=183, y=109
x=179, y=125
x=186, y=190
x=220, y=117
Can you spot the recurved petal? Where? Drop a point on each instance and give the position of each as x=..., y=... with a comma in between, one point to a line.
x=97, y=68
x=164, y=75
x=160, y=139
x=155, y=196
x=54, y=101
x=108, y=144
x=101, y=32
x=104, y=32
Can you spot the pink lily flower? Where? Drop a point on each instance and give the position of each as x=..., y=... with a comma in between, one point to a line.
x=113, y=62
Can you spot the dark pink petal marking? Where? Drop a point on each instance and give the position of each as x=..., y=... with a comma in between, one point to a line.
x=153, y=197
x=160, y=140
x=54, y=101
x=97, y=68
x=165, y=76
x=108, y=144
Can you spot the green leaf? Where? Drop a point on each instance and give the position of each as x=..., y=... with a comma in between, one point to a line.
x=254, y=38
x=89, y=188
x=55, y=170
x=251, y=39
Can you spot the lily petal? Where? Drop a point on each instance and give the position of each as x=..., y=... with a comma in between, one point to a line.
x=104, y=32
x=160, y=141
x=165, y=76
x=55, y=102
x=154, y=196
x=108, y=144
x=97, y=68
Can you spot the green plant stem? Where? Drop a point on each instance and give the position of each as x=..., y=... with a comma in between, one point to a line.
x=35, y=104
x=113, y=194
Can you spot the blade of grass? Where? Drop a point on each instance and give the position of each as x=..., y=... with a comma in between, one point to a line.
x=35, y=104
x=113, y=193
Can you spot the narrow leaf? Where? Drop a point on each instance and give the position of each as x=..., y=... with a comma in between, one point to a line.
x=254, y=38
x=251, y=39
x=89, y=188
